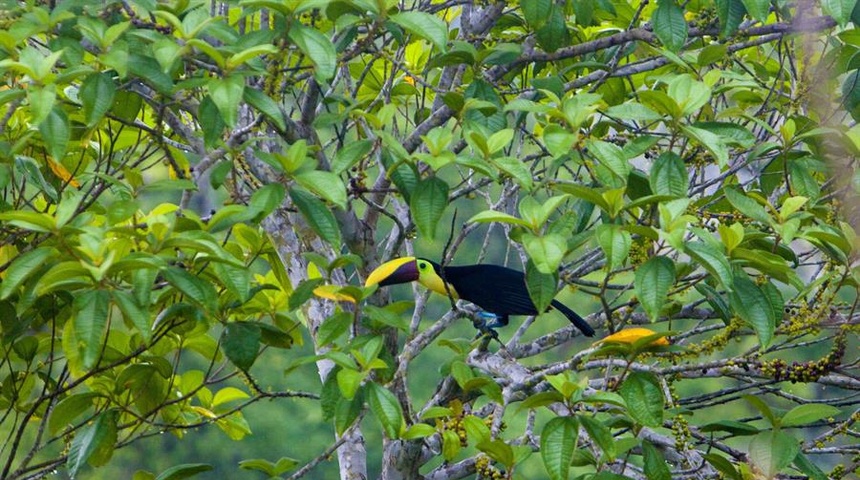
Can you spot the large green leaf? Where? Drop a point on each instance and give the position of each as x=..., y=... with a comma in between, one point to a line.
x=424, y=25
x=754, y=307
x=772, y=451
x=669, y=175
x=349, y=155
x=557, y=442
x=428, y=202
x=317, y=47
x=91, y=314
x=70, y=408
x=546, y=251
x=97, y=94
x=644, y=397
x=712, y=260
x=615, y=243
x=652, y=283
x=387, y=409
x=134, y=313
x=94, y=443
x=318, y=216
x=730, y=13
x=241, y=343
x=195, y=288
x=23, y=268
x=325, y=184
x=541, y=286
x=183, y=471
x=226, y=93
x=266, y=106
x=809, y=413
x=56, y=133
x=669, y=25
x=655, y=465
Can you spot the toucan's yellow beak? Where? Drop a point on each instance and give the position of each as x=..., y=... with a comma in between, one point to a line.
x=399, y=270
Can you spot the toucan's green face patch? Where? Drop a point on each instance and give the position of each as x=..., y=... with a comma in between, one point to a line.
x=399, y=270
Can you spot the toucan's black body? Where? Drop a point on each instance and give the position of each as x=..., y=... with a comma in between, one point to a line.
x=498, y=290
x=501, y=291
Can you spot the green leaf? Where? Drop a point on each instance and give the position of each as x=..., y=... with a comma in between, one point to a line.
x=553, y=34
x=557, y=442
x=600, y=434
x=541, y=286
x=772, y=451
x=325, y=184
x=97, y=93
x=747, y=205
x=558, y=140
x=730, y=426
x=655, y=465
x=758, y=9
x=615, y=243
x=723, y=465
x=241, y=343
x=317, y=47
x=811, y=470
x=428, y=202
x=186, y=470
x=226, y=93
x=450, y=445
x=669, y=176
x=710, y=141
x=751, y=304
x=424, y=25
x=349, y=381
x=41, y=101
x=23, y=267
x=730, y=13
x=652, y=283
x=134, y=313
x=536, y=12
x=68, y=409
x=610, y=156
x=545, y=251
x=147, y=69
x=516, y=169
x=840, y=10
x=387, y=409
x=56, y=133
x=349, y=155
x=34, y=221
x=266, y=106
x=195, y=288
x=644, y=397
x=489, y=216
x=94, y=443
x=808, y=413
x=670, y=27
x=91, y=313
x=318, y=216
x=712, y=260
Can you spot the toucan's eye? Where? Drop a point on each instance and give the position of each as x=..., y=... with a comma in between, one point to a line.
x=422, y=266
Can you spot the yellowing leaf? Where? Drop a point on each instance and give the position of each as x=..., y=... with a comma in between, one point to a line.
x=62, y=173
x=630, y=335
x=332, y=292
x=7, y=254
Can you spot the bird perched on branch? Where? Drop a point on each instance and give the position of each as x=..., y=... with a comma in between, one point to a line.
x=499, y=291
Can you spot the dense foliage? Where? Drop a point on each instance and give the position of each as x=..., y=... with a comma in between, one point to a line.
x=193, y=192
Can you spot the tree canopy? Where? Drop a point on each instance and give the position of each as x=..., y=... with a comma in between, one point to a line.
x=194, y=193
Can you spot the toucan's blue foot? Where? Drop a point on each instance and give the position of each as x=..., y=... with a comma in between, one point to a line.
x=486, y=323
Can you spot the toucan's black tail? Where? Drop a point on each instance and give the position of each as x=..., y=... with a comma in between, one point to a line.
x=574, y=318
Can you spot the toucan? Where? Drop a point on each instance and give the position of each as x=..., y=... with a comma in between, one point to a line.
x=499, y=291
